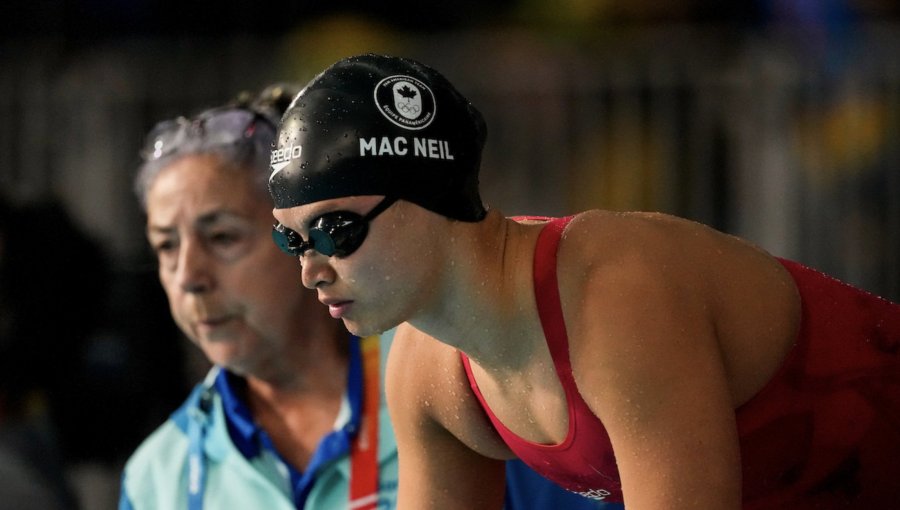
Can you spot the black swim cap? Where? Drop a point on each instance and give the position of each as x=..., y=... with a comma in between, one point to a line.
x=380, y=125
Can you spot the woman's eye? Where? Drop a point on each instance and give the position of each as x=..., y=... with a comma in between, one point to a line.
x=163, y=247
x=224, y=238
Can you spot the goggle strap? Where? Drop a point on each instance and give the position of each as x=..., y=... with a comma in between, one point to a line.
x=380, y=208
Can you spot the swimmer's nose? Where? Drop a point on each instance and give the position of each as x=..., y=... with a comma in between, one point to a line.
x=315, y=270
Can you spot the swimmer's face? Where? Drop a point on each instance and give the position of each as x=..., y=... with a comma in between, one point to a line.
x=383, y=281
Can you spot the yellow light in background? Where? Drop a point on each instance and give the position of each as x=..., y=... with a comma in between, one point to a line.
x=841, y=138
x=313, y=46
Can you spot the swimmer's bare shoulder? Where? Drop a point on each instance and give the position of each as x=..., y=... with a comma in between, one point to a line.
x=450, y=455
x=427, y=377
x=646, y=298
x=743, y=292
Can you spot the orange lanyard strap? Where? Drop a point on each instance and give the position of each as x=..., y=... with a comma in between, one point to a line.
x=364, y=448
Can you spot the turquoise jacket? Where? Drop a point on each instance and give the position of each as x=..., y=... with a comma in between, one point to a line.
x=159, y=473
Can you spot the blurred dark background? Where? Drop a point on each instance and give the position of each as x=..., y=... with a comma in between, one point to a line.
x=776, y=120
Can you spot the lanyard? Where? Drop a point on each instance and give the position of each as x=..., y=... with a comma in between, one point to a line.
x=196, y=437
x=364, y=449
x=196, y=466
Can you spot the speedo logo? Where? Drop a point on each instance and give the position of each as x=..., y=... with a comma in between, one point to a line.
x=282, y=157
x=598, y=494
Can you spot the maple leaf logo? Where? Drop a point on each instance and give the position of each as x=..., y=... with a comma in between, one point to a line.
x=407, y=92
x=405, y=101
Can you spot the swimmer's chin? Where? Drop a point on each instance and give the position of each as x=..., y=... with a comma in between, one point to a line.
x=362, y=330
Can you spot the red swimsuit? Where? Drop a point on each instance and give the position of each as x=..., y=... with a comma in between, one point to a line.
x=823, y=433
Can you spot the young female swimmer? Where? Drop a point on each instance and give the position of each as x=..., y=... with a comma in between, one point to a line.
x=626, y=356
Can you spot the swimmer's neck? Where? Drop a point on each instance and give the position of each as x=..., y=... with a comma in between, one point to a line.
x=486, y=300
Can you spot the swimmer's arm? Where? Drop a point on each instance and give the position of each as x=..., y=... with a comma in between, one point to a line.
x=653, y=373
x=436, y=469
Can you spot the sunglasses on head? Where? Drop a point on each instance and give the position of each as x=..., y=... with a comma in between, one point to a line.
x=333, y=234
x=215, y=127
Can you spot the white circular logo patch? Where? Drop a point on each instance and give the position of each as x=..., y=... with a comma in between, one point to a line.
x=405, y=101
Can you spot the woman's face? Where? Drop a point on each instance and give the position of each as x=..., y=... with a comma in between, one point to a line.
x=230, y=289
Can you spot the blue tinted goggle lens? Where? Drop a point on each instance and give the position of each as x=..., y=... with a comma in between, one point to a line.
x=334, y=234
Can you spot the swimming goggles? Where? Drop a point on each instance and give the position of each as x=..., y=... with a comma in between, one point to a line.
x=333, y=234
x=216, y=127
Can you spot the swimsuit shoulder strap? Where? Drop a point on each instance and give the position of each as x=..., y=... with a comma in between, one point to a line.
x=546, y=293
